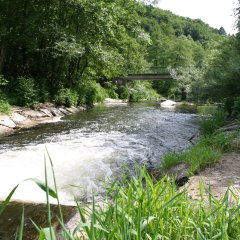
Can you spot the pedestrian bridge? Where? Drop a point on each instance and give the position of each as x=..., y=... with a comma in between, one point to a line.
x=150, y=74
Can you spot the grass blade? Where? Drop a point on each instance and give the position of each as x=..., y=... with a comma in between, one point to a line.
x=7, y=200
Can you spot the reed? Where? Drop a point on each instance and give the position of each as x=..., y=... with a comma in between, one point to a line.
x=204, y=153
x=143, y=208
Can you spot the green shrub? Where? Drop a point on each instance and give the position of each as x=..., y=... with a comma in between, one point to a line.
x=3, y=81
x=236, y=108
x=26, y=92
x=5, y=107
x=138, y=91
x=210, y=123
x=228, y=105
x=111, y=93
x=66, y=97
x=90, y=92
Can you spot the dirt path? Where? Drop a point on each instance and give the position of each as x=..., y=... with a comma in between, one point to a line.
x=224, y=174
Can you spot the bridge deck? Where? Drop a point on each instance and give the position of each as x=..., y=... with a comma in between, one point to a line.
x=148, y=76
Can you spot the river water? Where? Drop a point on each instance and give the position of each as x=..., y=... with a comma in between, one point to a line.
x=91, y=147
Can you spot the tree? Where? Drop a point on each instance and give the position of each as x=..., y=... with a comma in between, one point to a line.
x=222, y=31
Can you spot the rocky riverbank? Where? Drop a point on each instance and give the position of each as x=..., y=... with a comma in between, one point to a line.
x=22, y=117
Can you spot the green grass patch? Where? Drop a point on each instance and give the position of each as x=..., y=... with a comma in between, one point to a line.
x=5, y=107
x=141, y=208
x=206, y=152
x=211, y=122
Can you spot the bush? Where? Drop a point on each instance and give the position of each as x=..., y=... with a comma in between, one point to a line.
x=5, y=107
x=26, y=91
x=236, y=108
x=138, y=90
x=3, y=81
x=90, y=92
x=210, y=123
x=66, y=97
x=111, y=93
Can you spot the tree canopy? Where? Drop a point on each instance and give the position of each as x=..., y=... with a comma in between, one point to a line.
x=70, y=47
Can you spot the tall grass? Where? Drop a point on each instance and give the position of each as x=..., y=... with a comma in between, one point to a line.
x=142, y=208
x=211, y=146
x=206, y=152
x=209, y=123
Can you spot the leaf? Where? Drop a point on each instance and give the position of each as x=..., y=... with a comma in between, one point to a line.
x=133, y=232
x=172, y=200
x=100, y=227
x=43, y=186
x=146, y=222
x=47, y=234
x=20, y=234
x=5, y=203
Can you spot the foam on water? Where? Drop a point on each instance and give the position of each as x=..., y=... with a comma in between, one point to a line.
x=91, y=150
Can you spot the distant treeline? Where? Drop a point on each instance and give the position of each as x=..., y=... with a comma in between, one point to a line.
x=70, y=52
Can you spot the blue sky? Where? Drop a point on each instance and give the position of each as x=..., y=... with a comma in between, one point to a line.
x=216, y=13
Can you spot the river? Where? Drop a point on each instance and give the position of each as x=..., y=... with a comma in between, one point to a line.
x=91, y=147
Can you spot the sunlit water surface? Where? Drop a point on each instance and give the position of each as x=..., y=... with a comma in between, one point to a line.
x=89, y=148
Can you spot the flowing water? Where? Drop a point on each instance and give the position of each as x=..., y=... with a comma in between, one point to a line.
x=91, y=147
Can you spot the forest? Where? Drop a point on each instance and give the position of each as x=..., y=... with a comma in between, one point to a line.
x=70, y=53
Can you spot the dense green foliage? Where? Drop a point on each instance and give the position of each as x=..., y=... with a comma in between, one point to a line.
x=52, y=50
x=64, y=44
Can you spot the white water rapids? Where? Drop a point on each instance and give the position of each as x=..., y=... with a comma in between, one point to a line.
x=90, y=148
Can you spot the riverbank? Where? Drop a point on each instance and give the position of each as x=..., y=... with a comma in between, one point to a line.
x=218, y=179
x=22, y=117
x=213, y=162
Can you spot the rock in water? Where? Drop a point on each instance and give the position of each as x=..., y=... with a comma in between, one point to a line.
x=168, y=103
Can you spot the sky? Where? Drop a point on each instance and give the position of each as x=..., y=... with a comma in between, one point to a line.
x=217, y=13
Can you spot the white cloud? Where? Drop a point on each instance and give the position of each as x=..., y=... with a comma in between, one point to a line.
x=216, y=13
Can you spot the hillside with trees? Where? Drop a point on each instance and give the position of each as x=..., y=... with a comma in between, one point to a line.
x=69, y=52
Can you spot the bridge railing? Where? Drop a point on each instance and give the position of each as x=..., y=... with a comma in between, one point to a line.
x=151, y=70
